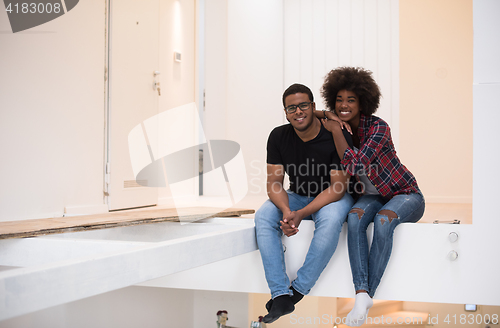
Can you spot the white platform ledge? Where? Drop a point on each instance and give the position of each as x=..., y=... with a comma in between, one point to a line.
x=70, y=267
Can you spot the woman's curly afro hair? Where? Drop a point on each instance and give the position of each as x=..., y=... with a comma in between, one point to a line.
x=355, y=79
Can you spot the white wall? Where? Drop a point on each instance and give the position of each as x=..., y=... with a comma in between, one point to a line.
x=436, y=68
x=52, y=114
x=486, y=42
x=215, y=69
x=143, y=307
x=177, y=33
x=322, y=35
x=244, y=78
x=254, y=50
x=486, y=113
x=128, y=307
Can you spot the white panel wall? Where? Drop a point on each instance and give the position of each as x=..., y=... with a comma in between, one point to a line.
x=486, y=42
x=255, y=75
x=486, y=89
x=244, y=78
x=52, y=114
x=249, y=64
x=321, y=35
x=215, y=69
x=214, y=116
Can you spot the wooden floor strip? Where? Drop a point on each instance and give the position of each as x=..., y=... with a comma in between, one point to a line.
x=41, y=227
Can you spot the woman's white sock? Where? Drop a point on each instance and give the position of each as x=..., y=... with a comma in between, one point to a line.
x=359, y=312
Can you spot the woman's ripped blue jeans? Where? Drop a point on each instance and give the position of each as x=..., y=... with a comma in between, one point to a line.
x=368, y=266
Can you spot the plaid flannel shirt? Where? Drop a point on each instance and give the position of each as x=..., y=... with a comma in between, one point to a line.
x=377, y=158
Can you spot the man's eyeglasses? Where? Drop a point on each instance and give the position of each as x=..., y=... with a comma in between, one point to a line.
x=303, y=106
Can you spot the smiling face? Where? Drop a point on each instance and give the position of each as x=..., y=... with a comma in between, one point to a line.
x=347, y=106
x=301, y=120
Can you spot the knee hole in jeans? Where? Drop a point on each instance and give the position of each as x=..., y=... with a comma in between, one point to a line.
x=358, y=211
x=390, y=215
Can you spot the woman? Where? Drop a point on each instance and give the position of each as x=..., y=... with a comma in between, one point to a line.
x=389, y=193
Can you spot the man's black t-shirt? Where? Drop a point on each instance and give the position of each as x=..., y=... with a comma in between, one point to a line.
x=308, y=164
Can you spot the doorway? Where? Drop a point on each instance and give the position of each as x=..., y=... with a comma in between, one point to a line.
x=133, y=96
x=152, y=70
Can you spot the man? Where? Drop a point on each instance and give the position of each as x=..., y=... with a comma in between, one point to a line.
x=305, y=150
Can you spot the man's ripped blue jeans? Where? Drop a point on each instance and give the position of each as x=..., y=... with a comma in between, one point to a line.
x=368, y=266
x=328, y=223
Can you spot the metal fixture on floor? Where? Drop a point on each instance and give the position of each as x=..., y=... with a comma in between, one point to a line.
x=449, y=221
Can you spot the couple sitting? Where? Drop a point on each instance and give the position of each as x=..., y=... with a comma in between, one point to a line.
x=322, y=151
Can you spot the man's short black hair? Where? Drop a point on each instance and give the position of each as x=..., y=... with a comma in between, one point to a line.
x=297, y=88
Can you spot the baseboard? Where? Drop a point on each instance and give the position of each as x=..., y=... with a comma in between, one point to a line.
x=182, y=201
x=448, y=200
x=85, y=210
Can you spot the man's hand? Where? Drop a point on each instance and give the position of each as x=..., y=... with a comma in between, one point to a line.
x=291, y=222
x=287, y=229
